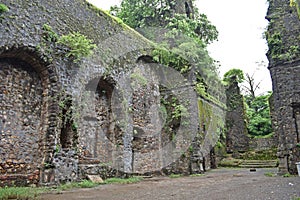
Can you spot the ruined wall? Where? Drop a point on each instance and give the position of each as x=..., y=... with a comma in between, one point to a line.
x=283, y=40
x=61, y=120
x=237, y=139
x=20, y=114
x=39, y=91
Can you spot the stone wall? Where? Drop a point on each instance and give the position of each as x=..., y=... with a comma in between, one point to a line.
x=20, y=114
x=237, y=139
x=259, y=144
x=61, y=120
x=283, y=40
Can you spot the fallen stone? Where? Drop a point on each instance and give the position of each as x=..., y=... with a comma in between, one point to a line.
x=95, y=178
x=252, y=170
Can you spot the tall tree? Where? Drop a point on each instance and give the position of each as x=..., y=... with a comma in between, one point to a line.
x=251, y=86
x=258, y=113
x=234, y=75
x=181, y=29
x=183, y=16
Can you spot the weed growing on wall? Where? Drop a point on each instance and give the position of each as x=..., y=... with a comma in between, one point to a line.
x=76, y=45
x=3, y=8
x=295, y=3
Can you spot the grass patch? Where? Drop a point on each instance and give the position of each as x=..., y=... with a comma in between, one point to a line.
x=286, y=175
x=134, y=179
x=175, y=175
x=20, y=193
x=33, y=193
x=197, y=175
x=270, y=174
x=82, y=184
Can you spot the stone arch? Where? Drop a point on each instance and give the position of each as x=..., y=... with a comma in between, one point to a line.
x=99, y=134
x=24, y=115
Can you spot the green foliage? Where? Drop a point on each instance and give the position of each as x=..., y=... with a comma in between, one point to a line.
x=175, y=175
x=49, y=35
x=234, y=75
x=270, y=174
x=77, y=45
x=258, y=113
x=200, y=89
x=275, y=45
x=160, y=13
x=134, y=179
x=198, y=28
x=3, y=8
x=197, y=175
x=74, y=45
x=287, y=175
x=182, y=40
x=20, y=192
x=296, y=4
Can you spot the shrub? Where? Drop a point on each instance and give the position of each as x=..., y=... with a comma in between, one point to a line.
x=3, y=8
x=76, y=45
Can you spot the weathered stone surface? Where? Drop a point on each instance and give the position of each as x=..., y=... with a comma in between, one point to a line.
x=237, y=139
x=62, y=120
x=95, y=178
x=284, y=67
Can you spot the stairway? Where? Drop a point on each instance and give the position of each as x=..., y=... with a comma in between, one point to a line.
x=259, y=164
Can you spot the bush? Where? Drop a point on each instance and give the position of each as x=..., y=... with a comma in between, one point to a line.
x=76, y=45
x=3, y=8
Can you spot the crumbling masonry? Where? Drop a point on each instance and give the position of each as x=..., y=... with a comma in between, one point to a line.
x=61, y=119
x=283, y=37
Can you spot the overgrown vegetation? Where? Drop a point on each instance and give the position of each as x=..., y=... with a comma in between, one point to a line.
x=20, y=193
x=34, y=193
x=181, y=40
x=133, y=179
x=270, y=174
x=257, y=108
x=296, y=4
x=74, y=46
x=175, y=175
x=258, y=114
x=3, y=8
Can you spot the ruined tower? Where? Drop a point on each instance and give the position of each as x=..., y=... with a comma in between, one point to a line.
x=283, y=38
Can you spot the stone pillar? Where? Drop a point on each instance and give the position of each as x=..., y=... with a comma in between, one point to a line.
x=284, y=63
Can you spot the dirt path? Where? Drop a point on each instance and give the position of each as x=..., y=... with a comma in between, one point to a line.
x=230, y=184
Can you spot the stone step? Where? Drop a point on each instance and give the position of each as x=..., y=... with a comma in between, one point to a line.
x=258, y=163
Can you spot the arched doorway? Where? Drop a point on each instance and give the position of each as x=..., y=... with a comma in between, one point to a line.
x=20, y=122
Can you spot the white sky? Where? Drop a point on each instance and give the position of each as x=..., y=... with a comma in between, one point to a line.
x=241, y=24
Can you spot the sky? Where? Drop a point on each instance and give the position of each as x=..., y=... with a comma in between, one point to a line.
x=241, y=24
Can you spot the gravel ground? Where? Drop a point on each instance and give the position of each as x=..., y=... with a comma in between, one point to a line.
x=230, y=184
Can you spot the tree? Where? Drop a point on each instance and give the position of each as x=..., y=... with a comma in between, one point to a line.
x=179, y=28
x=257, y=107
x=258, y=113
x=164, y=14
x=234, y=75
x=251, y=86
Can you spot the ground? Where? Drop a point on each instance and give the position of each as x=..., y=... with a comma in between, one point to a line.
x=230, y=184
